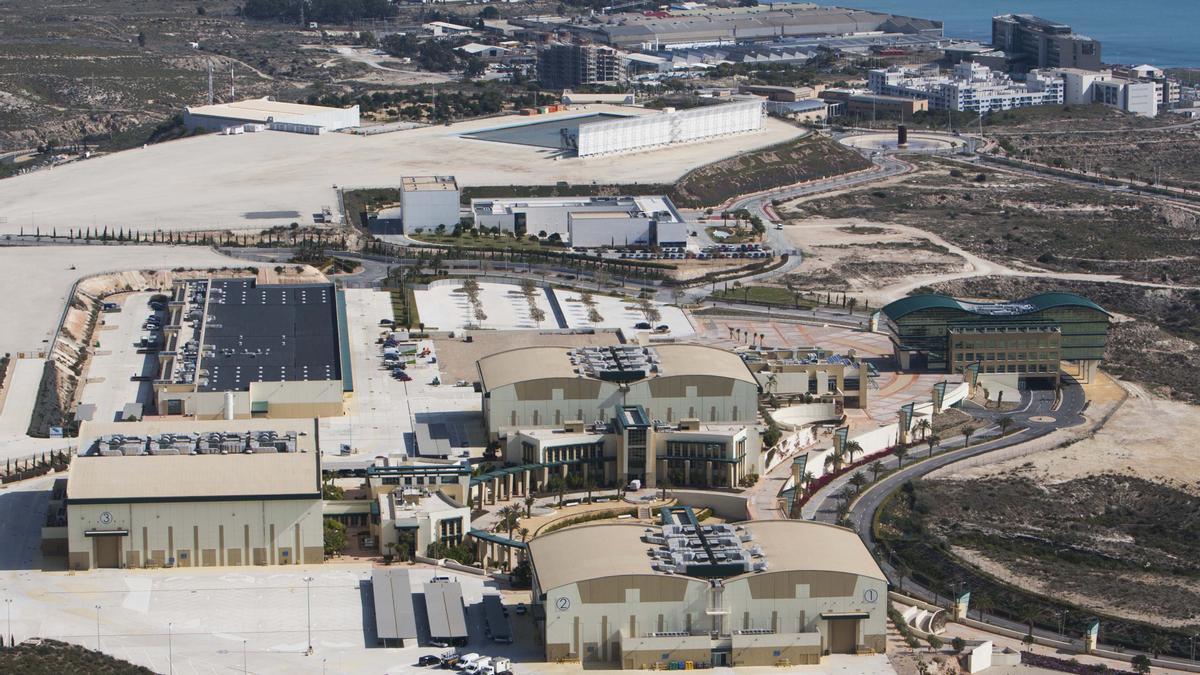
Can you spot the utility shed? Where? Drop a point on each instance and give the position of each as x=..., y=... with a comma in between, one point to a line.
x=445, y=611
x=395, y=620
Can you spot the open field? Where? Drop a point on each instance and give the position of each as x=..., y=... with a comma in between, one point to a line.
x=1040, y=224
x=256, y=181
x=1159, y=348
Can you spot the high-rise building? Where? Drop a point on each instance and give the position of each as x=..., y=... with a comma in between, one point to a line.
x=1033, y=42
x=571, y=65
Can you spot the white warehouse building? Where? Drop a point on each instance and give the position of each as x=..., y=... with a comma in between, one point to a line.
x=668, y=128
x=428, y=201
x=587, y=222
x=264, y=113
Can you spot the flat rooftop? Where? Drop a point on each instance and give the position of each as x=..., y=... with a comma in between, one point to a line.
x=269, y=333
x=169, y=478
x=261, y=110
x=428, y=184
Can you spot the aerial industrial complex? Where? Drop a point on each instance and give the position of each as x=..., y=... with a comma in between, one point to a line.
x=611, y=338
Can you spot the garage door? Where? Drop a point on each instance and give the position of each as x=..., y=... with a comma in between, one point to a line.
x=842, y=636
x=108, y=551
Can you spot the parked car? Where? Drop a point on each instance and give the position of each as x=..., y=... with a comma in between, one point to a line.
x=642, y=325
x=429, y=660
x=402, y=376
x=521, y=608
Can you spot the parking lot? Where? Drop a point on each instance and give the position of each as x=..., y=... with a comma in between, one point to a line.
x=382, y=412
x=109, y=385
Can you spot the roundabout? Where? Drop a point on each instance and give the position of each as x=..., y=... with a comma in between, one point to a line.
x=886, y=142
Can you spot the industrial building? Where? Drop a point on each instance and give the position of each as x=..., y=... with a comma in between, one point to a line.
x=759, y=593
x=235, y=349
x=429, y=201
x=718, y=26
x=1033, y=42
x=545, y=387
x=264, y=113
x=626, y=413
x=1142, y=97
x=670, y=127
x=577, y=65
x=863, y=103
x=968, y=87
x=189, y=510
x=1024, y=340
x=587, y=222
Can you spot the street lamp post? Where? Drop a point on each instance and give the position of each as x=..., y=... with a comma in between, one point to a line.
x=97, y=627
x=8, y=608
x=244, y=668
x=170, y=652
x=308, y=601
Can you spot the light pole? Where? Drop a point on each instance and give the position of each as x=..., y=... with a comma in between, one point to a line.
x=97, y=627
x=244, y=669
x=308, y=601
x=8, y=608
x=170, y=652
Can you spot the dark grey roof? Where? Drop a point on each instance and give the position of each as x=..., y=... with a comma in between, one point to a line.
x=275, y=333
x=444, y=608
x=394, y=617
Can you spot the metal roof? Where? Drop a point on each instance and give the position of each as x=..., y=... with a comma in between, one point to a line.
x=433, y=439
x=394, y=616
x=165, y=478
x=493, y=609
x=444, y=609
x=1030, y=305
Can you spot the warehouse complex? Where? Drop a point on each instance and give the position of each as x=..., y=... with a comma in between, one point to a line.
x=761, y=593
x=677, y=413
x=261, y=114
x=587, y=222
x=544, y=387
x=1024, y=339
x=669, y=127
x=712, y=26
x=235, y=349
x=189, y=510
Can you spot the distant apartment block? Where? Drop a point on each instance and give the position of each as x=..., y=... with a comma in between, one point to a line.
x=571, y=65
x=968, y=87
x=861, y=103
x=1033, y=42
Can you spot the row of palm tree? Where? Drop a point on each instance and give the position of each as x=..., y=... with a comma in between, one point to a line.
x=754, y=338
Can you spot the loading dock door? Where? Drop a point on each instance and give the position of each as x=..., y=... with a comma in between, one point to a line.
x=843, y=634
x=108, y=551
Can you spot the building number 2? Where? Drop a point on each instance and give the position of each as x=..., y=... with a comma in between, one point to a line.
x=563, y=604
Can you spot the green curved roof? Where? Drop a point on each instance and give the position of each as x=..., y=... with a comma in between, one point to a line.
x=1030, y=305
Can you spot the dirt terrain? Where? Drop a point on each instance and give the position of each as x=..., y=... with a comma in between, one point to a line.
x=1038, y=223
x=1110, y=542
x=863, y=259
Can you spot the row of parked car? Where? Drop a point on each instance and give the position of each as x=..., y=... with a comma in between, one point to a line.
x=471, y=664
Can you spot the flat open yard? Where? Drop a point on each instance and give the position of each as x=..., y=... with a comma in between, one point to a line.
x=254, y=181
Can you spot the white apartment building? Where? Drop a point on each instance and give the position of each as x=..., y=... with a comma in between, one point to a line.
x=968, y=87
x=1083, y=87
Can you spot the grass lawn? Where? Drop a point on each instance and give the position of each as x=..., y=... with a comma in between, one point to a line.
x=772, y=295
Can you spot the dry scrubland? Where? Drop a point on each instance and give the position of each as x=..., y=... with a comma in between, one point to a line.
x=1041, y=223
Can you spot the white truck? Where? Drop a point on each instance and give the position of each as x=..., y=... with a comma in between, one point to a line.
x=498, y=666
x=476, y=667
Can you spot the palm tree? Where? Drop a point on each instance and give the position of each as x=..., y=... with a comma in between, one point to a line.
x=559, y=487
x=924, y=426
x=967, y=430
x=844, y=496
x=772, y=383
x=523, y=533
x=1029, y=615
x=589, y=484
x=1157, y=645
x=529, y=500
x=932, y=442
x=983, y=604
x=807, y=479
x=901, y=452
x=1004, y=423
x=902, y=570
x=509, y=518
x=876, y=469
x=858, y=480
x=851, y=447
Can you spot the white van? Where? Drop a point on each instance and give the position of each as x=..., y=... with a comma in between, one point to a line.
x=477, y=666
x=499, y=666
x=466, y=660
